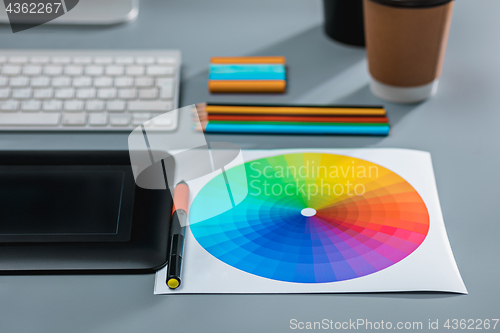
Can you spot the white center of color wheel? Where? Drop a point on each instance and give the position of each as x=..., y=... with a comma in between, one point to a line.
x=308, y=212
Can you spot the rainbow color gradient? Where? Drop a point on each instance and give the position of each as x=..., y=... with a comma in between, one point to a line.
x=312, y=218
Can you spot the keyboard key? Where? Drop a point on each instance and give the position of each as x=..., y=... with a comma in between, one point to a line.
x=162, y=121
x=74, y=119
x=61, y=60
x=116, y=106
x=166, y=86
x=145, y=60
x=53, y=70
x=94, y=70
x=11, y=70
x=98, y=119
x=85, y=93
x=52, y=105
x=41, y=81
x=94, y=106
x=167, y=93
x=18, y=60
x=134, y=70
x=82, y=60
x=165, y=81
x=166, y=61
x=66, y=93
x=43, y=93
x=160, y=70
x=103, y=82
x=139, y=118
x=30, y=119
x=114, y=70
x=119, y=120
x=40, y=60
x=19, y=81
x=103, y=60
x=31, y=106
x=144, y=81
x=137, y=122
x=149, y=106
x=61, y=81
x=21, y=93
x=154, y=115
x=32, y=70
x=124, y=60
x=73, y=70
x=4, y=93
x=73, y=105
x=127, y=93
x=108, y=93
x=82, y=81
x=124, y=81
x=148, y=93
x=3, y=81
x=9, y=105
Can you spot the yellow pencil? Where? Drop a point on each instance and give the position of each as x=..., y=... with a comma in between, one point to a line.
x=292, y=110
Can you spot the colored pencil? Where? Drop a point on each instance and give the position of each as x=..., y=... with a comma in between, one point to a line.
x=209, y=127
x=291, y=110
x=294, y=123
x=344, y=106
x=247, y=86
x=247, y=68
x=305, y=119
x=248, y=60
x=247, y=72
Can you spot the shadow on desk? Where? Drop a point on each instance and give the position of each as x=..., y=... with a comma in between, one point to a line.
x=401, y=295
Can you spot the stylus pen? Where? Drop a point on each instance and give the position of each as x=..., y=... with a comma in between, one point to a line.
x=177, y=233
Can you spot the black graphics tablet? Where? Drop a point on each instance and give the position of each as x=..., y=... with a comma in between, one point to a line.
x=79, y=212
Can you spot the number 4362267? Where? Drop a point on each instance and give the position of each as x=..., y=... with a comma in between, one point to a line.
x=471, y=324
x=33, y=8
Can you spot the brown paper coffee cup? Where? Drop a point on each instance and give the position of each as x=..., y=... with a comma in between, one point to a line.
x=406, y=42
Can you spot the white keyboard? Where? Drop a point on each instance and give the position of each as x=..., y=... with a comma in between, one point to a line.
x=77, y=90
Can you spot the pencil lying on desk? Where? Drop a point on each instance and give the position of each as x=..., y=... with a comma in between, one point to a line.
x=305, y=119
x=249, y=60
x=291, y=119
x=293, y=128
x=304, y=110
x=247, y=86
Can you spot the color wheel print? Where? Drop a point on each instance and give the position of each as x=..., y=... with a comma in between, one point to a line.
x=312, y=218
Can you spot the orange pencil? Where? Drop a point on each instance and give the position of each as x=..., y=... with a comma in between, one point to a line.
x=253, y=86
x=249, y=60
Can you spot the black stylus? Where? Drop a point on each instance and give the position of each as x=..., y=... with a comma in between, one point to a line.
x=177, y=233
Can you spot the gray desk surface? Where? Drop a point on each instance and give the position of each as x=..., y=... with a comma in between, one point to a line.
x=459, y=127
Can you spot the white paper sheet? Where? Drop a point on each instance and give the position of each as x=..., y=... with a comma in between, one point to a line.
x=431, y=267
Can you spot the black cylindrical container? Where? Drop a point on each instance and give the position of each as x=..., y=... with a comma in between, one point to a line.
x=344, y=21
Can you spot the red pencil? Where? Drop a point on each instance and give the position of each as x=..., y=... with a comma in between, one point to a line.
x=306, y=119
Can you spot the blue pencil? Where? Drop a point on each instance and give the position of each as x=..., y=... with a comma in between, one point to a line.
x=247, y=72
x=382, y=130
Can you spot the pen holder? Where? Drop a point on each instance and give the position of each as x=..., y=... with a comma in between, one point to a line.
x=344, y=21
